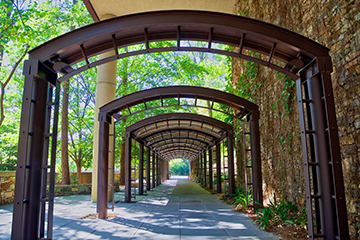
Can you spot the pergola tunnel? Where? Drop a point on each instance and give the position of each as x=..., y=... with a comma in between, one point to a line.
x=198, y=139
x=168, y=136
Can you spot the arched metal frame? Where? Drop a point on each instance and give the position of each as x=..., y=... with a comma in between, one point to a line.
x=146, y=129
x=284, y=51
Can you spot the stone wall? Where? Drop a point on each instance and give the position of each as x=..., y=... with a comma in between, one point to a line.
x=7, y=181
x=336, y=25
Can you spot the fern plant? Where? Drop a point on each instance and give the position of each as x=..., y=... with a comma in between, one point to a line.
x=280, y=212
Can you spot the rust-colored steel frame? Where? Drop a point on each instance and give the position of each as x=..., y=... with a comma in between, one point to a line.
x=299, y=58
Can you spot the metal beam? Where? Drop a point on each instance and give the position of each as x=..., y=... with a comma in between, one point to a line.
x=141, y=169
x=211, y=169
x=230, y=150
x=148, y=183
x=128, y=143
x=103, y=168
x=256, y=160
x=218, y=168
x=153, y=176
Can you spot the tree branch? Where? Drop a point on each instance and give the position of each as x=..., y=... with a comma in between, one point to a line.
x=3, y=85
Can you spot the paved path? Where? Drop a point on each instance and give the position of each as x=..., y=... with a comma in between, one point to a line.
x=178, y=209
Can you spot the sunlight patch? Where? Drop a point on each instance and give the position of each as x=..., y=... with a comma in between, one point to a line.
x=94, y=216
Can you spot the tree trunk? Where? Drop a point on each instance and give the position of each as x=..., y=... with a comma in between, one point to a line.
x=78, y=171
x=122, y=164
x=65, y=175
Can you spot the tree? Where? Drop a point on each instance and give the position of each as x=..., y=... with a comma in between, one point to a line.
x=81, y=112
x=179, y=167
x=24, y=26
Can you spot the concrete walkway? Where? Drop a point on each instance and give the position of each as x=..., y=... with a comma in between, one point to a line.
x=178, y=209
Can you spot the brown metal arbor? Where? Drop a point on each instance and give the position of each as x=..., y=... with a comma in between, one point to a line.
x=299, y=58
x=158, y=133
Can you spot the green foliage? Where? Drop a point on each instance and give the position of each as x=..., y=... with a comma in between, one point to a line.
x=280, y=212
x=179, y=167
x=25, y=26
x=224, y=176
x=246, y=86
x=286, y=95
x=239, y=198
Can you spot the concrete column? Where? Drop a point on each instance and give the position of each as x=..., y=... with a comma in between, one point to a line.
x=105, y=92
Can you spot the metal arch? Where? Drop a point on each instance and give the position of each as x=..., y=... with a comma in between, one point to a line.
x=179, y=116
x=275, y=42
x=173, y=154
x=188, y=151
x=239, y=104
x=178, y=144
x=154, y=144
x=179, y=149
x=205, y=134
x=187, y=157
x=315, y=95
x=204, y=141
x=174, y=128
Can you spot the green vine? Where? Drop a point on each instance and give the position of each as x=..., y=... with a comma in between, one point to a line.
x=286, y=95
x=247, y=86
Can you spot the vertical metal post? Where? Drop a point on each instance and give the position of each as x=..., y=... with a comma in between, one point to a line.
x=328, y=222
x=153, y=177
x=141, y=169
x=218, y=168
x=103, y=166
x=53, y=163
x=30, y=150
x=148, y=183
x=163, y=170
x=44, y=170
x=256, y=159
x=157, y=170
x=128, y=143
x=327, y=180
x=112, y=168
x=201, y=169
x=168, y=170
x=198, y=170
x=334, y=154
x=306, y=158
x=210, y=168
x=205, y=167
x=230, y=149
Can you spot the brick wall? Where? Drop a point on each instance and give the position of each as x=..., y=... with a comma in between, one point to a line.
x=336, y=25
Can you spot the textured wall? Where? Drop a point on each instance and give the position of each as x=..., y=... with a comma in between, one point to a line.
x=7, y=181
x=336, y=25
